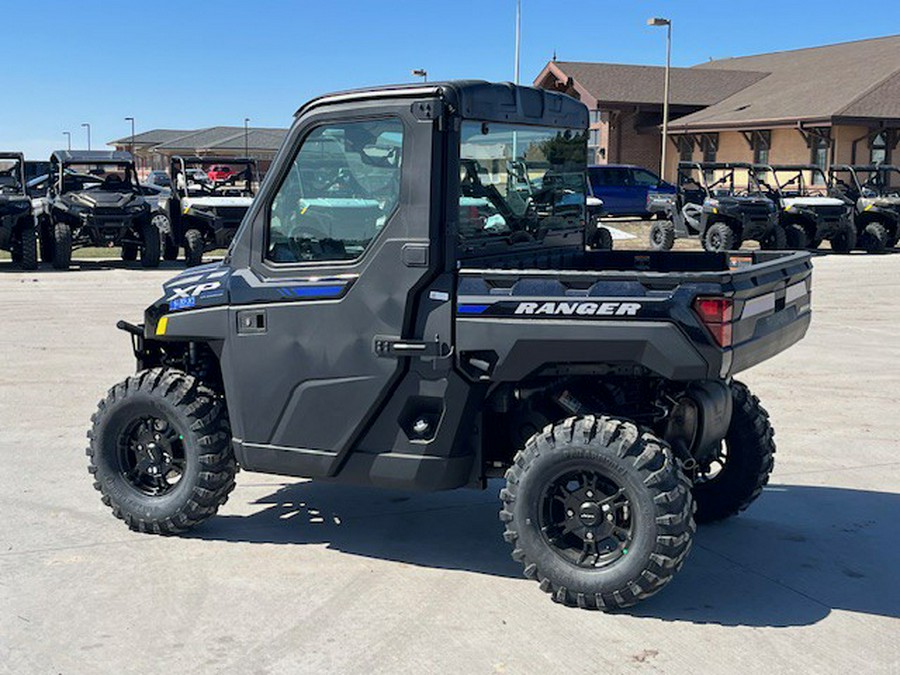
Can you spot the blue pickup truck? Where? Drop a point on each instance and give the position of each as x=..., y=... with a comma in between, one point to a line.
x=624, y=188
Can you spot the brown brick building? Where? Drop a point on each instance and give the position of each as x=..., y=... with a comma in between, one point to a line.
x=825, y=105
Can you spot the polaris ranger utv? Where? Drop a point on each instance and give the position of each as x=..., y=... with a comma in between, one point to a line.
x=204, y=214
x=721, y=203
x=874, y=193
x=17, y=232
x=93, y=199
x=364, y=328
x=806, y=213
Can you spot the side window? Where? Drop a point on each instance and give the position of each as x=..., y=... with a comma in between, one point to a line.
x=339, y=192
x=645, y=178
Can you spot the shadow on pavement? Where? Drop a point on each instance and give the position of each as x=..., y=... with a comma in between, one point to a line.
x=798, y=553
x=91, y=265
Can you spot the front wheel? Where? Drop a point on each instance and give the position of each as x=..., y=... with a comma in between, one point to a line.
x=845, y=240
x=62, y=246
x=719, y=237
x=776, y=240
x=873, y=238
x=600, y=239
x=27, y=249
x=193, y=248
x=728, y=481
x=160, y=451
x=150, y=245
x=797, y=239
x=597, y=512
x=662, y=235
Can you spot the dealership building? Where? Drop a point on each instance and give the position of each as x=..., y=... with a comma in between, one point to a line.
x=153, y=149
x=823, y=105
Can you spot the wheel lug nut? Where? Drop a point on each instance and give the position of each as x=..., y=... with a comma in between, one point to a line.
x=606, y=507
x=589, y=535
x=589, y=494
x=609, y=517
x=570, y=513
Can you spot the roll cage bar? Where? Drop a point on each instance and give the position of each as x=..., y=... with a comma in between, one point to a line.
x=20, y=160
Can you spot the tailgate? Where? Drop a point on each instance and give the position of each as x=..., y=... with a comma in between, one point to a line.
x=771, y=309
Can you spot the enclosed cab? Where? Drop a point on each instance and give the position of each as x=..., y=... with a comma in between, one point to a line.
x=93, y=199
x=17, y=231
x=405, y=306
x=805, y=210
x=873, y=191
x=210, y=196
x=721, y=203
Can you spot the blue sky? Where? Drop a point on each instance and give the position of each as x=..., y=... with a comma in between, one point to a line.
x=194, y=64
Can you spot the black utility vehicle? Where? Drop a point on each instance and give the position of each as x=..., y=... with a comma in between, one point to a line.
x=93, y=199
x=807, y=214
x=721, y=203
x=17, y=232
x=205, y=214
x=366, y=327
x=874, y=193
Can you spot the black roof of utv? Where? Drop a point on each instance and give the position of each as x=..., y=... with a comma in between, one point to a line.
x=92, y=156
x=477, y=99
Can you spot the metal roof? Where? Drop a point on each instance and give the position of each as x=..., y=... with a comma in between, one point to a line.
x=92, y=156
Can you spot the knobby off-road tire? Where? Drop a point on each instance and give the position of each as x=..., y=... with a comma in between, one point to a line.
x=27, y=249
x=151, y=243
x=736, y=477
x=720, y=237
x=160, y=451
x=776, y=240
x=873, y=238
x=662, y=235
x=797, y=239
x=845, y=241
x=129, y=252
x=62, y=246
x=619, y=483
x=193, y=248
x=45, y=240
x=600, y=239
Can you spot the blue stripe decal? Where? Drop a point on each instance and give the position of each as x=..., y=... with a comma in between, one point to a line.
x=311, y=291
x=471, y=309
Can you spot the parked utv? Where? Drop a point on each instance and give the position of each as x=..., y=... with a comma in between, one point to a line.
x=93, y=199
x=204, y=214
x=874, y=193
x=369, y=325
x=721, y=203
x=805, y=211
x=17, y=232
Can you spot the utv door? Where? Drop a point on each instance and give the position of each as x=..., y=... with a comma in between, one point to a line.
x=338, y=248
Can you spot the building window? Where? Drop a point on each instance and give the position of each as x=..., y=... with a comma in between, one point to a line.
x=878, y=148
x=818, y=150
x=762, y=141
x=595, y=117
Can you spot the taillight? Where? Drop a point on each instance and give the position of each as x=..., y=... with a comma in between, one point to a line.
x=716, y=314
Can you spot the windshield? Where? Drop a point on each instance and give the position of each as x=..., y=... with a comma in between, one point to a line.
x=519, y=184
x=10, y=176
x=110, y=177
x=213, y=179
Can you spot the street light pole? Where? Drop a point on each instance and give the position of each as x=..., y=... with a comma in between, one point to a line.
x=131, y=119
x=246, y=137
x=87, y=126
x=68, y=135
x=518, y=37
x=658, y=21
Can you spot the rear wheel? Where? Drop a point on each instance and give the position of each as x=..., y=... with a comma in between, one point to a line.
x=873, y=238
x=62, y=246
x=600, y=239
x=662, y=235
x=776, y=240
x=845, y=240
x=160, y=451
x=797, y=239
x=193, y=247
x=719, y=237
x=734, y=477
x=151, y=244
x=597, y=512
x=27, y=249
x=46, y=241
x=129, y=252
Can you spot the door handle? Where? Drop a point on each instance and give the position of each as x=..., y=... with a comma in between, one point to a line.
x=251, y=321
